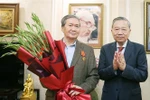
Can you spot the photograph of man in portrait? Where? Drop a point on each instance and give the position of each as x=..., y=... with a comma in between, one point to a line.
x=89, y=24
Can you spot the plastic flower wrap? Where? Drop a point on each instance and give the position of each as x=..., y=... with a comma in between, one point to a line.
x=44, y=57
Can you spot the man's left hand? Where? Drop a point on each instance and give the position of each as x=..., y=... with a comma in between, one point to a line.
x=73, y=92
x=121, y=61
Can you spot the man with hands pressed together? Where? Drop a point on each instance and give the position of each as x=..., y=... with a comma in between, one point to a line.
x=122, y=64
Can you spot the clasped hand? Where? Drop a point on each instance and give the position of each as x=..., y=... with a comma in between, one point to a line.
x=119, y=61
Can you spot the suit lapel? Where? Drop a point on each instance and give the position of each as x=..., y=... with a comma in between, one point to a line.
x=76, y=54
x=128, y=51
x=112, y=49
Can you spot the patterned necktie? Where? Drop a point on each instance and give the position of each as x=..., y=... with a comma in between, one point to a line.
x=120, y=49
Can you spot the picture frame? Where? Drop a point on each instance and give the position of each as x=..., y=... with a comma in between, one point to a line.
x=91, y=21
x=9, y=18
x=147, y=26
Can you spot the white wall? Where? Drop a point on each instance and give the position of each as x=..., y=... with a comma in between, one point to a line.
x=51, y=12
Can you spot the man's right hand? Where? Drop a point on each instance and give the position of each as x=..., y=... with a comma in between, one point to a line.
x=115, y=64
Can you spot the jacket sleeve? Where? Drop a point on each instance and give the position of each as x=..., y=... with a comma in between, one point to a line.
x=136, y=71
x=105, y=68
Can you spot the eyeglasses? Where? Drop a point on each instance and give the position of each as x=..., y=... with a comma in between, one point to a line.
x=86, y=23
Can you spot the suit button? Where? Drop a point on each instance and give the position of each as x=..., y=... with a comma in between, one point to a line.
x=116, y=89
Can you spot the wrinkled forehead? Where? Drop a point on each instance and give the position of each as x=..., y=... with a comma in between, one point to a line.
x=73, y=21
x=121, y=23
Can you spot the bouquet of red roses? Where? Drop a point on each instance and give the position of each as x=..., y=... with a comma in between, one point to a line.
x=44, y=57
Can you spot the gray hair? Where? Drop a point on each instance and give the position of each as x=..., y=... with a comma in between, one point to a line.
x=121, y=18
x=63, y=20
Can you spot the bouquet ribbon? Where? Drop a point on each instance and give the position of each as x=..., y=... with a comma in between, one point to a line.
x=63, y=94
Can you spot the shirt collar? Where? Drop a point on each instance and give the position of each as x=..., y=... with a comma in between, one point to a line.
x=71, y=45
x=124, y=45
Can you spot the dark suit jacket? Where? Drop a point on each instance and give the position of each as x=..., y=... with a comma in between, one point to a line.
x=85, y=71
x=124, y=86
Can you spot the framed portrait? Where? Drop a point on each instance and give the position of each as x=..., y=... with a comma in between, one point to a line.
x=91, y=20
x=147, y=25
x=9, y=17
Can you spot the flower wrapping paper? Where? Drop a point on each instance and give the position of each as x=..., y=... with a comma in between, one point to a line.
x=52, y=70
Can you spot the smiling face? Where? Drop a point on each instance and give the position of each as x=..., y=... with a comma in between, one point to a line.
x=71, y=29
x=120, y=31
